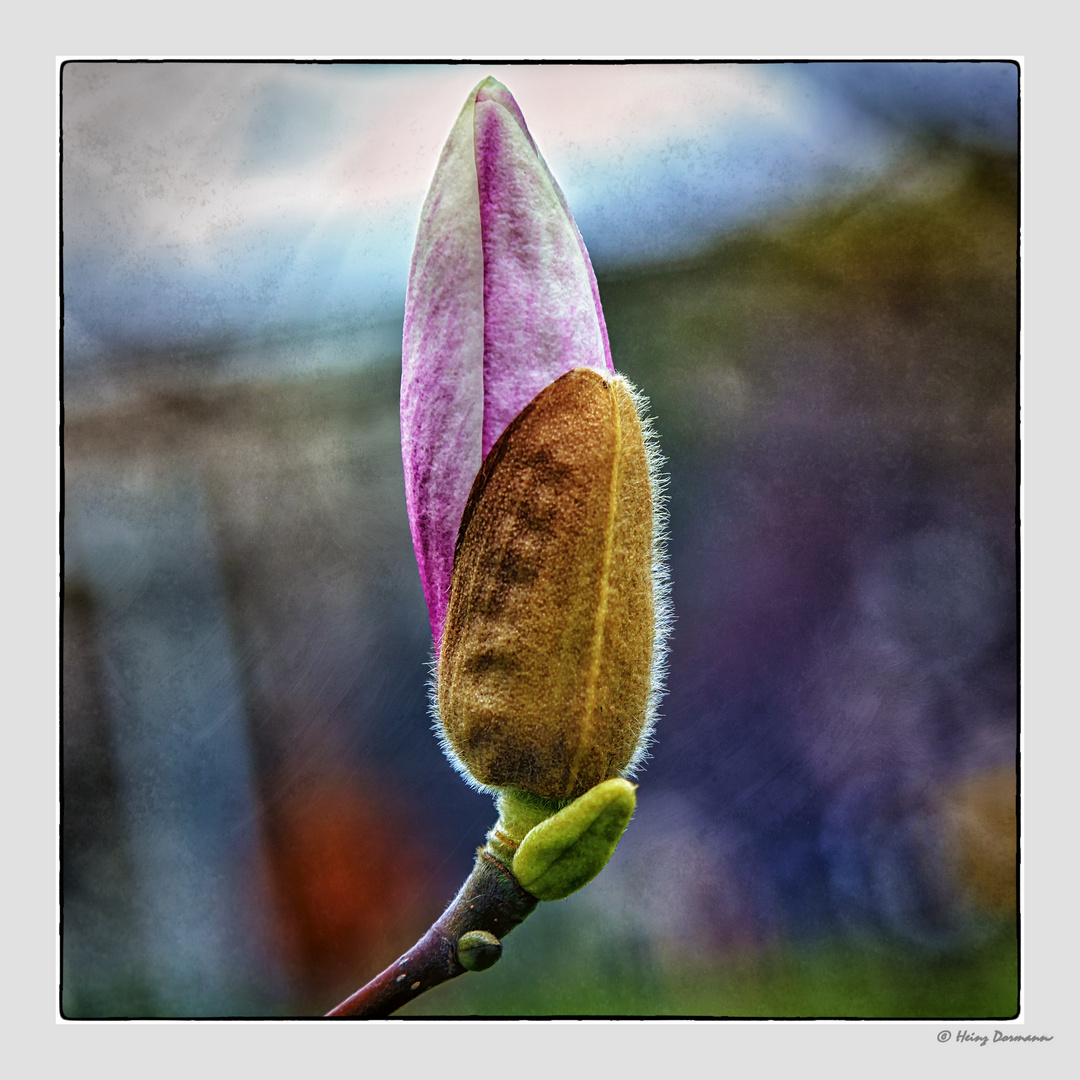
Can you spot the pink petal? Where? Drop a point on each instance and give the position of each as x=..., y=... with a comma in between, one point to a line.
x=542, y=313
x=442, y=370
x=502, y=301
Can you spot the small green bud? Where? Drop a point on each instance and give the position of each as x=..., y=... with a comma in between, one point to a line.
x=568, y=849
x=478, y=950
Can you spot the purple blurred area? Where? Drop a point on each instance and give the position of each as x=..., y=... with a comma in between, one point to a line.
x=256, y=817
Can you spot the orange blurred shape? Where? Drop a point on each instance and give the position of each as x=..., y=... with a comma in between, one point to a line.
x=979, y=818
x=346, y=877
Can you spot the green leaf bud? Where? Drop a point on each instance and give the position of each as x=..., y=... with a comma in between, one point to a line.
x=568, y=849
x=478, y=950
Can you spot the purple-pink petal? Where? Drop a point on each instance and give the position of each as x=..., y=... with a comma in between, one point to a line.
x=502, y=301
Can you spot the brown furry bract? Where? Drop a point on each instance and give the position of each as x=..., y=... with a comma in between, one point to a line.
x=544, y=671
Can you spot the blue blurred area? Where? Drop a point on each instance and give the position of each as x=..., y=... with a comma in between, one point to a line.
x=975, y=102
x=203, y=200
x=810, y=271
x=179, y=742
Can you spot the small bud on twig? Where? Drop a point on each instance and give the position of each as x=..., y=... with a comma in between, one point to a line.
x=478, y=950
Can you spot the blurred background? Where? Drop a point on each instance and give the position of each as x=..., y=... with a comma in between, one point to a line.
x=811, y=270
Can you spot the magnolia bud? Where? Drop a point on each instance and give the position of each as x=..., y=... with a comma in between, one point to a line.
x=533, y=509
x=548, y=647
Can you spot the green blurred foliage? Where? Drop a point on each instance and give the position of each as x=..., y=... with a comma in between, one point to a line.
x=560, y=965
x=916, y=276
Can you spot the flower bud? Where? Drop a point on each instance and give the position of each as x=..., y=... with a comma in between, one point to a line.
x=531, y=502
x=548, y=651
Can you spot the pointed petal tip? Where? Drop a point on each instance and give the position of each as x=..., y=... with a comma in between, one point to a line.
x=493, y=91
x=490, y=89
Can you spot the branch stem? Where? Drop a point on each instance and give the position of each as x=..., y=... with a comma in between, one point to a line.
x=491, y=900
